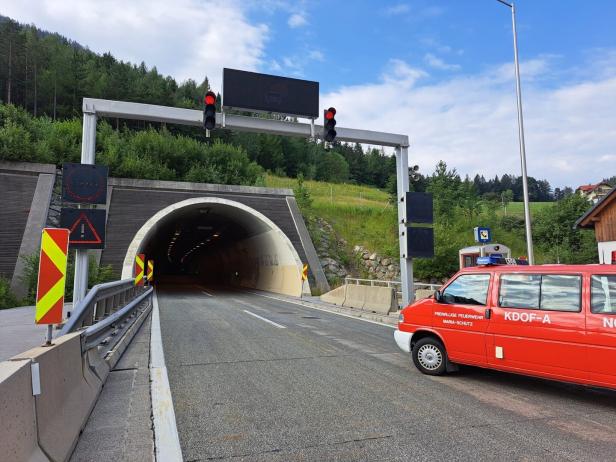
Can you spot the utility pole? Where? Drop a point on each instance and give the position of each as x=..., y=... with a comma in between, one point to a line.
x=518, y=89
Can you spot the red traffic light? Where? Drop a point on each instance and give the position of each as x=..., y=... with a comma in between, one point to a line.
x=210, y=98
x=330, y=113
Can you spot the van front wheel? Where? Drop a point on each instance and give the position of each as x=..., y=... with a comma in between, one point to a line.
x=429, y=356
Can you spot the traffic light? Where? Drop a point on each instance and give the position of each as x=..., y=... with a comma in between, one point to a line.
x=329, y=124
x=209, y=111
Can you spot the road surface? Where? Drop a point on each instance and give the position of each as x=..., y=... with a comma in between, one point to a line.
x=255, y=379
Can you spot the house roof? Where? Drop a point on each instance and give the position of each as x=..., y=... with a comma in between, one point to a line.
x=590, y=187
x=586, y=220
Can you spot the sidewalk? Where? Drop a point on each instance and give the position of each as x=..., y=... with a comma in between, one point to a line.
x=120, y=426
x=18, y=333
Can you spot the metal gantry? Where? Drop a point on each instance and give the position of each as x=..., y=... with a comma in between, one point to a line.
x=94, y=108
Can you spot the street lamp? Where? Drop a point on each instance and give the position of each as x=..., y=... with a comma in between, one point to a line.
x=518, y=90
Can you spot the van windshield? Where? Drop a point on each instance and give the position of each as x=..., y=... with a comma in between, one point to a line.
x=468, y=289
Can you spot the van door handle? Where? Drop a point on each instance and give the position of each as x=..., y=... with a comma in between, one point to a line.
x=488, y=313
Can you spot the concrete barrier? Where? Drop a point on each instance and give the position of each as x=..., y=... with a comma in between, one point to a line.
x=69, y=390
x=382, y=300
x=336, y=296
x=355, y=296
x=423, y=293
x=18, y=435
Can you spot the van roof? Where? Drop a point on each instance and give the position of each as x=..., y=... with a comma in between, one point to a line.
x=594, y=268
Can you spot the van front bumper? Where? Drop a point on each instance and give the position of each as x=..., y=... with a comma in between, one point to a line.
x=403, y=339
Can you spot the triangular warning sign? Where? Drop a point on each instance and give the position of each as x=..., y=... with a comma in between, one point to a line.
x=83, y=232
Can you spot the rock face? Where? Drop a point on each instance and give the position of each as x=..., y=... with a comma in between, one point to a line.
x=53, y=216
x=377, y=267
x=330, y=248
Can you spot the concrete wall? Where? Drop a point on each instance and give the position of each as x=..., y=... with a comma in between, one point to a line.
x=265, y=262
x=25, y=193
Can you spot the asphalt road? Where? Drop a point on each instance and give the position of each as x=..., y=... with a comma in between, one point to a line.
x=325, y=388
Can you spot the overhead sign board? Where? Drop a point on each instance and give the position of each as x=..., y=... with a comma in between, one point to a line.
x=269, y=93
x=87, y=227
x=84, y=184
x=419, y=208
x=482, y=234
x=420, y=242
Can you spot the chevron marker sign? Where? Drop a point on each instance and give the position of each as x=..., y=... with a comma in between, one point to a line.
x=139, y=268
x=51, y=276
x=150, y=272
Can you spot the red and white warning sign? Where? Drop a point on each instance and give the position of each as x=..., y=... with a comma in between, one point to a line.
x=87, y=227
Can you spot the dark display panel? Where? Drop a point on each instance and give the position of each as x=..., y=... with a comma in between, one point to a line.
x=270, y=93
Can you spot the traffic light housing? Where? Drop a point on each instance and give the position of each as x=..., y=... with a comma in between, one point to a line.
x=209, y=110
x=329, y=124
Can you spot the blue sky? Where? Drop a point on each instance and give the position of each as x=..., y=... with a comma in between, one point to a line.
x=439, y=71
x=353, y=41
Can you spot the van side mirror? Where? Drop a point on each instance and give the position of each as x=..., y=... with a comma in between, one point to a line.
x=438, y=296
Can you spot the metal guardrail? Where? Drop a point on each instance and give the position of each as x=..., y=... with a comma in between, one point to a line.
x=106, y=311
x=395, y=284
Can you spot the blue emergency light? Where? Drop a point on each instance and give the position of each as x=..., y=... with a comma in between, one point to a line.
x=488, y=260
x=498, y=259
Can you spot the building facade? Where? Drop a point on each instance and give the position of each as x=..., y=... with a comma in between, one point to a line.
x=602, y=218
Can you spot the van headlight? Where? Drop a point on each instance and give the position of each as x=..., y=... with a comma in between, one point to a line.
x=400, y=317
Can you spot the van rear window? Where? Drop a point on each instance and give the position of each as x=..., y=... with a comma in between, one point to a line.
x=552, y=292
x=603, y=297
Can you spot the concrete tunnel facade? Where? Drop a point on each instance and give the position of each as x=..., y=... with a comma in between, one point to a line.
x=262, y=234
x=218, y=241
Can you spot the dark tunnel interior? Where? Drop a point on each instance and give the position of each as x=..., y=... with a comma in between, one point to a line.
x=221, y=245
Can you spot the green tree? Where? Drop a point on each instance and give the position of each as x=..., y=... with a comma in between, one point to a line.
x=554, y=232
x=332, y=167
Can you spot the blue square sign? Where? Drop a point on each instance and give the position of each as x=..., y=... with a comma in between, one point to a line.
x=482, y=234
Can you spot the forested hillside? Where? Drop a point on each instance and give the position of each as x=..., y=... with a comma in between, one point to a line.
x=48, y=75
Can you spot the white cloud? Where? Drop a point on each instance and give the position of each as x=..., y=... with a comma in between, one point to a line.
x=316, y=55
x=400, y=8
x=470, y=120
x=297, y=20
x=437, y=63
x=186, y=38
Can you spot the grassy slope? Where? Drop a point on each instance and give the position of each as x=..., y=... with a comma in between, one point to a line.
x=361, y=215
x=517, y=208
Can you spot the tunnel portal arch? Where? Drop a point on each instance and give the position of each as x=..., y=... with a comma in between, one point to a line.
x=262, y=256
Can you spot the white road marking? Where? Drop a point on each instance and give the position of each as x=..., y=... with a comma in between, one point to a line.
x=165, y=429
x=279, y=326
x=323, y=309
x=206, y=293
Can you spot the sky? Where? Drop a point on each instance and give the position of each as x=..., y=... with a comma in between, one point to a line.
x=439, y=71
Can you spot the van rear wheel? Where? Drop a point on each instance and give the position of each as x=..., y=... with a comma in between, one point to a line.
x=429, y=356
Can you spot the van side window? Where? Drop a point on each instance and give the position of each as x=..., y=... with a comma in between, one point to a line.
x=553, y=292
x=603, y=295
x=520, y=291
x=467, y=289
x=561, y=292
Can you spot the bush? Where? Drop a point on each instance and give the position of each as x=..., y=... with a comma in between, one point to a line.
x=96, y=275
x=7, y=298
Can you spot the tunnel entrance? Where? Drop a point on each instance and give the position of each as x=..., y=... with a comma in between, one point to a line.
x=217, y=241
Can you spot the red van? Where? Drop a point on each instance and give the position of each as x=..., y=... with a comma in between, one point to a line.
x=552, y=321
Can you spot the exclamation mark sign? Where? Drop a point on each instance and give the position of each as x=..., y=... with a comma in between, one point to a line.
x=83, y=231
